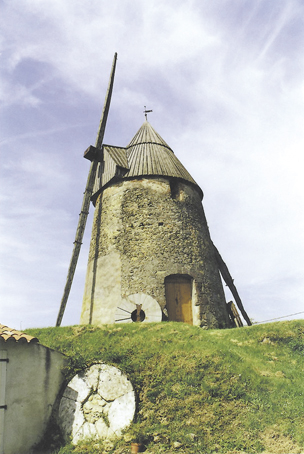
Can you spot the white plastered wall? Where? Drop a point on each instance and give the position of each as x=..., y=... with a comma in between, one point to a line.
x=107, y=290
x=195, y=307
x=33, y=379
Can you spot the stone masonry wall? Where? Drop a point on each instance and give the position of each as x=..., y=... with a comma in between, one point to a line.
x=157, y=227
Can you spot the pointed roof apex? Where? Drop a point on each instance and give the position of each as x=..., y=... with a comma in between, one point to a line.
x=146, y=134
x=149, y=154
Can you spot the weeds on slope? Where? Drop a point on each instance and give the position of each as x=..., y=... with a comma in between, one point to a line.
x=238, y=390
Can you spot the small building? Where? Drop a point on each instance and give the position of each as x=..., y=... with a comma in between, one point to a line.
x=31, y=376
x=151, y=256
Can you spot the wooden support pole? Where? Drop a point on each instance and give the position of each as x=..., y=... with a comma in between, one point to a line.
x=229, y=281
x=87, y=197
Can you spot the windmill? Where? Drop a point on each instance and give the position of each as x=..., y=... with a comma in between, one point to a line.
x=144, y=198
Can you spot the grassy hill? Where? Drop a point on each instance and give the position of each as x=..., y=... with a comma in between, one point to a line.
x=199, y=391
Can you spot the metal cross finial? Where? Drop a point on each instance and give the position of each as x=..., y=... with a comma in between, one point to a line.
x=146, y=112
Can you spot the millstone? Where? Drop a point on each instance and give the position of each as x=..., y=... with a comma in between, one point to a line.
x=97, y=403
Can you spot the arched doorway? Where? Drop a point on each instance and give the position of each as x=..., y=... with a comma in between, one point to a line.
x=179, y=298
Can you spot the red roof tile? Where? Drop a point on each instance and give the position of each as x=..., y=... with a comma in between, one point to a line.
x=7, y=333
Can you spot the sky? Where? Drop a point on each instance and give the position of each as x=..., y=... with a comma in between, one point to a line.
x=225, y=81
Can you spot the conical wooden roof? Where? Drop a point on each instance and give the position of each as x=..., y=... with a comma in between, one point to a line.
x=146, y=155
x=149, y=154
x=146, y=134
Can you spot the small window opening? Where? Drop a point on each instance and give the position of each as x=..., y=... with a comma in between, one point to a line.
x=175, y=189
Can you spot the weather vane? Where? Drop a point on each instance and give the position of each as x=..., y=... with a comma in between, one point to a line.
x=146, y=112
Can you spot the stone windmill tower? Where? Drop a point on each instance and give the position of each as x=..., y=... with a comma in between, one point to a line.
x=151, y=256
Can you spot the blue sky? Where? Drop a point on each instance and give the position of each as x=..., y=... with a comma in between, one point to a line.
x=225, y=80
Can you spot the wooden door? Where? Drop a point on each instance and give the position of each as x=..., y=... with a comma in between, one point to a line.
x=179, y=298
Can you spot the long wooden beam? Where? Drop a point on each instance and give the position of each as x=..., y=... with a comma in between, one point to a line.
x=229, y=281
x=87, y=197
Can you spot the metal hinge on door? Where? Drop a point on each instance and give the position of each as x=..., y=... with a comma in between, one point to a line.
x=3, y=366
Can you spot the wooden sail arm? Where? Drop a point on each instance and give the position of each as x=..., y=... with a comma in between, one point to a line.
x=229, y=281
x=86, y=198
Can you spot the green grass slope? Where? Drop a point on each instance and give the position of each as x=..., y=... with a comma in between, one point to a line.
x=199, y=391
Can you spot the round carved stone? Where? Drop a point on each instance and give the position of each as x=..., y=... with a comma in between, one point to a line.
x=97, y=403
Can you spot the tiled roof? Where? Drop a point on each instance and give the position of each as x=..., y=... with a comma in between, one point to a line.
x=7, y=333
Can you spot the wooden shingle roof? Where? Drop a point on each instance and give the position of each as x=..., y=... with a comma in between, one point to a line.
x=149, y=154
x=147, y=134
x=9, y=334
x=119, y=156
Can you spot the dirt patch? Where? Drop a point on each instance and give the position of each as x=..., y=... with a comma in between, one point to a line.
x=277, y=443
